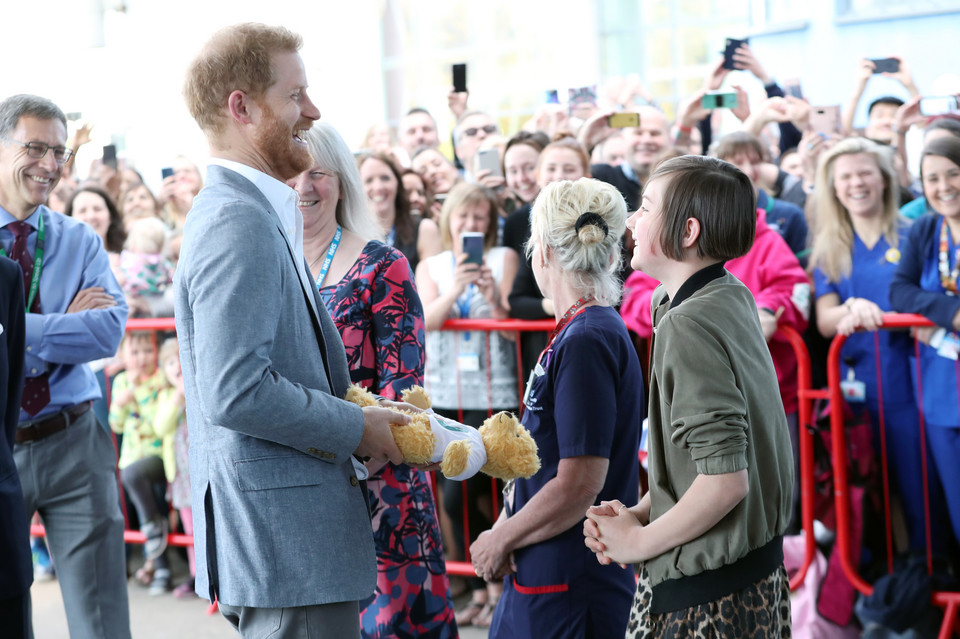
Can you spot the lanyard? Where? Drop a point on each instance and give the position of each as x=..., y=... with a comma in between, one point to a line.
x=948, y=278
x=331, y=251
x=573, y=311
x=37, y=264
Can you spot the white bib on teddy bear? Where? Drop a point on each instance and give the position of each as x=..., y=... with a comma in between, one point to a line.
x=447, y=431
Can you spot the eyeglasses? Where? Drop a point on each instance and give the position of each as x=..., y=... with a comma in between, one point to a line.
x=489, y=129
x=39, y=149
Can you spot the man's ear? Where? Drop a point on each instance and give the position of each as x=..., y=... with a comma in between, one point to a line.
x=242, y=107
x=691, y=232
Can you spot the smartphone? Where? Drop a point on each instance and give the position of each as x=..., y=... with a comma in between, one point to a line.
x=885, y=65
x=825, y=119
x=552, y=96
x=74, y=116
x=166, y=172
x=489, y=160
x=719, y=100
x=472, y=244
x=792, y=87
x=110, y=156
x=623, y=120
x=731, y=47
x=460, y=78
x=938, y=105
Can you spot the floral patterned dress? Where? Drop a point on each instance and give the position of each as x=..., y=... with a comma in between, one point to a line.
x=378, y=313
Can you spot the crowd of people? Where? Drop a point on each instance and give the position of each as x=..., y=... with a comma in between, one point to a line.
x=369, y=251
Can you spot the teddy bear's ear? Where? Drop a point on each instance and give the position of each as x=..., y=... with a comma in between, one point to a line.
x=360, y=396
x=417, y=396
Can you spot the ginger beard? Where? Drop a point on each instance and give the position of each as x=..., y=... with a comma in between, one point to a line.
x=276, y=141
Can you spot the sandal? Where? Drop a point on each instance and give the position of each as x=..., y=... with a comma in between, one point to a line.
x=468, y=614
x=485, y=618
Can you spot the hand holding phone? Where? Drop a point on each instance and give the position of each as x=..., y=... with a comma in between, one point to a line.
x=719, y=100
x=623, y=120
x=489, y=160
x=731, y=48
x=885, y=65
x=938, y=105
x=471, y=243
x=825, y=119
x=460, y=78
x=110, y=156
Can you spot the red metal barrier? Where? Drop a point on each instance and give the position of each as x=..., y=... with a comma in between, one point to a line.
x=465, y=568
x=950, y=601
x=805, y=417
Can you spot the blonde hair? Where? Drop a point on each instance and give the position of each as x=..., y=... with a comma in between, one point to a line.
x=463, y=195
x=238, y=57
x=146, y=235
x=169, y=348
x=589, y=257
x=833, y=228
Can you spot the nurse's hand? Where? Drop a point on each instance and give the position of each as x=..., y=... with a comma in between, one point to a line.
x=861, y=313
x=491, y=559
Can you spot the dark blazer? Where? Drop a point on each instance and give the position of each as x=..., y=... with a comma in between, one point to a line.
x=16, y=568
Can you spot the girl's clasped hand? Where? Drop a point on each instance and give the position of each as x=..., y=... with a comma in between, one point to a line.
x=611, y=530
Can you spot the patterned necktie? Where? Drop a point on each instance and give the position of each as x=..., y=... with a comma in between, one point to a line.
x=36, y=389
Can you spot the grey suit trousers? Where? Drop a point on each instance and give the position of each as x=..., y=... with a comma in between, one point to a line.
x=328, y=621
x=70, y=479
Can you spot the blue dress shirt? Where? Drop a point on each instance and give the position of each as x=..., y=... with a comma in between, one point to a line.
x=61, y=343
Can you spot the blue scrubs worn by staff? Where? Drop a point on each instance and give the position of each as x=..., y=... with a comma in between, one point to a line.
x=871, y=273
x=919, y=286
x=585, y=398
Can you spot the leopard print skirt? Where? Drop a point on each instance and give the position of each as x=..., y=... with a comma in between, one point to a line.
x=759, y=611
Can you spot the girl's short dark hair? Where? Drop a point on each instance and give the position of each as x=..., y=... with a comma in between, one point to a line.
x=718, y=195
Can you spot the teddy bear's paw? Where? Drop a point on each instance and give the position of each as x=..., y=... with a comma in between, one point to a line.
x=360, y=396
x=417, y=396
x=455, y=458
x=415, y=440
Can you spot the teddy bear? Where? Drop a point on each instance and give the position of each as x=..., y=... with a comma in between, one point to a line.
x=501, y=448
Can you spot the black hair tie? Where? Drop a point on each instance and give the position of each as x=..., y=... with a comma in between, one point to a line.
x=592, y=218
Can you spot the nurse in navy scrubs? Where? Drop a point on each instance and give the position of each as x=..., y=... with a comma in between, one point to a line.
x=583, y=406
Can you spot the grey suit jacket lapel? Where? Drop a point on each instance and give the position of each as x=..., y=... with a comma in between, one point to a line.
x=321, y=320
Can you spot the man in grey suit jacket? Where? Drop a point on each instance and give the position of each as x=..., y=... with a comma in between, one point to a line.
x=281, y=526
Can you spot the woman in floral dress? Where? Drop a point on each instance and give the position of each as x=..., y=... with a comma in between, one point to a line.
x=369, y=291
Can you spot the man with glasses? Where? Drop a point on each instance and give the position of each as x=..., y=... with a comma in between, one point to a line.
x=75, y=313
x=472, y=129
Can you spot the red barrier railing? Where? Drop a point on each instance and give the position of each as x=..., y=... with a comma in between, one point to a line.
x=465, y=568
x=950, y=601
x=805, y=418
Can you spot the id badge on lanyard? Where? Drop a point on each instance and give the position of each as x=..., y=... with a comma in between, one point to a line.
x=468, y=348
x=535, y=374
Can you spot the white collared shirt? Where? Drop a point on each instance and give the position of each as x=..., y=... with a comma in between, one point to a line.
x=282, y=198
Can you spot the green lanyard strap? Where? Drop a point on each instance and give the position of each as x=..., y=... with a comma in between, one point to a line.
x=37, y=264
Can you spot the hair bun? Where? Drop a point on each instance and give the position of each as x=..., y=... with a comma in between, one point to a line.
x=592, y=219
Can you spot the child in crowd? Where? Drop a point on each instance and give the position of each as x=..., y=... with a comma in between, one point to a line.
x=171, y=425
x=133, y=408
x=144, y=268
x=709, y=531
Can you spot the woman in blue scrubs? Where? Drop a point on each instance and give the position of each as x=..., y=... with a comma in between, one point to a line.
x=583, y=407
x=855, y=254
x=926, y=283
